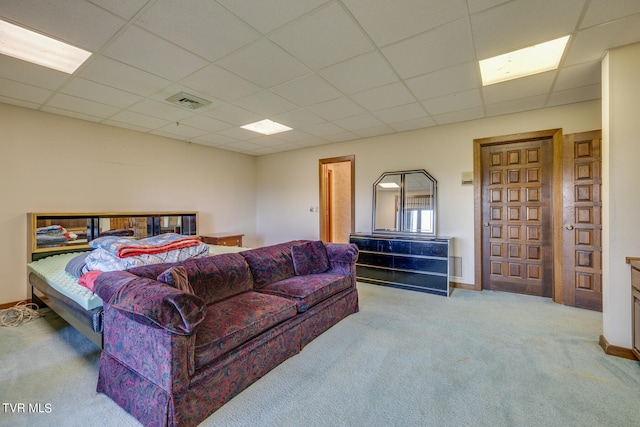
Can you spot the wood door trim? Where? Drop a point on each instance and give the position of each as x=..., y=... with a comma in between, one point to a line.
x=324, y=227
x=556, y=200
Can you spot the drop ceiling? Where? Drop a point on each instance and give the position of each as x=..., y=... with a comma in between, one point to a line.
x=332, y=70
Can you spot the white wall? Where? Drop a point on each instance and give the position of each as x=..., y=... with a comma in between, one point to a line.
x=287, y=183
x=621, y=176
x=50, y=163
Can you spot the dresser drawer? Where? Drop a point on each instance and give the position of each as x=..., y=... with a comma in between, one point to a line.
x=223, y=240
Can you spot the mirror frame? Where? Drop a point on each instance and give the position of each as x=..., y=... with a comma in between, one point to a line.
x=402, y=229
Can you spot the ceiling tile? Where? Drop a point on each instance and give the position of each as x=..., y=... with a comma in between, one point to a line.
x=231, y=114
x=590, y=44
x=88, y=27
x=219, y=83
x=361, y=121
x=374, y=131
x=116, y=74
x=429, y=52
x=480, y=5
x=214, y=140
x=265, y=103
x=341, y=137
x=459, y=116
x=32, y=74
x=453, y=102
x=600, y=11
x=578, y=75
x=264, y=64
x=294, y=135
x=74, y=114
x=162, y=110
x=11, y=89
x=454, y=79
x=579, y=94
x=324, y=37
x=298, y=118
x=384, y=97
x=124, y=9
x=401, y=113
x=516, y=105
x=201, y=26
x=322, y=129
x=72, y=103
x=267, y=15
x=524, y=88
x=387, y=22
x=412, y=124
x=158, y=57
x=338, y=108
x=307, y=90
x=516, y=20
x=203, y=122
x=360, y=73
x=178, y=131
x=97, y=92
x=141, y=121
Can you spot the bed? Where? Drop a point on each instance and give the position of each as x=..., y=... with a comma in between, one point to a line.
x=70, y=235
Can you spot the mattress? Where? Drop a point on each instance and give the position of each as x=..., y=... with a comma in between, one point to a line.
x=51, y=270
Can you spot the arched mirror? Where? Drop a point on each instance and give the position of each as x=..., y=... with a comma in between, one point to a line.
x=405, y=202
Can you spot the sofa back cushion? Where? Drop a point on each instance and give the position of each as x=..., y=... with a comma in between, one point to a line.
x=310, y=258
x=271, y=264
x=214, y=278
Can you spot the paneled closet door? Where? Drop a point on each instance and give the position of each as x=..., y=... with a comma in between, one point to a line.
x=516, y=217
x=582, y=220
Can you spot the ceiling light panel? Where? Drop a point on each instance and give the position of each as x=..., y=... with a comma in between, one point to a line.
x=266, y=127
x=524, y=62
x=18, y=42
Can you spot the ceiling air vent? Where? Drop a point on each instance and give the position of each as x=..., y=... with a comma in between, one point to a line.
x=188, y=101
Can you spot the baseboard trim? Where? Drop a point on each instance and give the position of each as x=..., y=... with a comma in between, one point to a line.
x=462, y=286
x=12, y=304
x=613, y=350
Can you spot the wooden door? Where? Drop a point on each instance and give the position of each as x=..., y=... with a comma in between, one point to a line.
x=582, y=220
x=516, y=217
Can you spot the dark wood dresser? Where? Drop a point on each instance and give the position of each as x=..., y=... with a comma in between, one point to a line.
x=407, y=262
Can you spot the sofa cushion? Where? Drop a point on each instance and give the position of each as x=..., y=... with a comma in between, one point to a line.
x=308, y=291
x=310, y=258
x=236, y=320
x=177, y=277
x=151, y=302
x=270, y=263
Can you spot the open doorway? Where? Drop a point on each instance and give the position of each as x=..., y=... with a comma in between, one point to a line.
x=337, y=198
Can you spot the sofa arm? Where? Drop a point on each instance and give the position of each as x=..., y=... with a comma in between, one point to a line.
x=342, y=257
x=150, y=302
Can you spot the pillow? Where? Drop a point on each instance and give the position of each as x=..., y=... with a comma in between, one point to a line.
x=310, y=258
x=176, y=277
x=77, y=265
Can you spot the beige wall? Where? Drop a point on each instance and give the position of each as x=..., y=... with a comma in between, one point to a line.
x=287, y=182
x=50, y=163
x=621, y=179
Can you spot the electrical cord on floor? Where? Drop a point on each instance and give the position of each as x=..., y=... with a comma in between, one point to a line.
x=21, y=312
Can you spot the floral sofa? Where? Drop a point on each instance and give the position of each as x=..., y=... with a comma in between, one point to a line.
x=182, y=339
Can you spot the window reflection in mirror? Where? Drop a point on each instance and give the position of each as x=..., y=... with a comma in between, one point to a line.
x=405, y=201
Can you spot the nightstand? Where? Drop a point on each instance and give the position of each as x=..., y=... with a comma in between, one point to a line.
x=223, y=239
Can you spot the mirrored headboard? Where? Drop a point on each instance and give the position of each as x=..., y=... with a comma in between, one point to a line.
x=405, y=202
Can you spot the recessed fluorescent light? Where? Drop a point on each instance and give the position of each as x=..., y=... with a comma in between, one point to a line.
x=389, y=185
x=39, y=49
x=524, y=62
x=266, y=127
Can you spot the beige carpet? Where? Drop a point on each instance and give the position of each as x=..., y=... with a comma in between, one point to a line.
x=407, y=359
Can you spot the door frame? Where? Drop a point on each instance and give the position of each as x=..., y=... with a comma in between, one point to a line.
x=325, y=227
x=556, y=201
